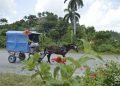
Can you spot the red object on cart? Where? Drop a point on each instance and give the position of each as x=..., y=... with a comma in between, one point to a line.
x=27, y=32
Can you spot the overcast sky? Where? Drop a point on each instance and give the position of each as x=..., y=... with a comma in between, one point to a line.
x=102, y=14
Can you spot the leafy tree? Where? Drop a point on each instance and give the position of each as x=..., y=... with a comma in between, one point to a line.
x=61, y=27
x=25, y=18
x=102, y=35
x=31, y=20
x=115, y=36
x=67, y=37
x=39, y=15
x=3, y=21
x=81, y=32
x=90, y=32
x=54, y=34
x=47, y=22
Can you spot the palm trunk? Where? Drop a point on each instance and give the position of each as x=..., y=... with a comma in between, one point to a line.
x=74, y=25
x=72, y=31
x=71, y=35
x=74, y=28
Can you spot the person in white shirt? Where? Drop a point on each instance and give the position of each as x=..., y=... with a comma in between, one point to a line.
x=33, y=46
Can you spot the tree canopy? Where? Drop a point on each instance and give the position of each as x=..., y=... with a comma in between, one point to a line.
x=56, y=31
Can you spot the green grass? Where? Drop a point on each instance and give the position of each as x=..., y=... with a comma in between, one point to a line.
x=10, y=79
x=2, y=48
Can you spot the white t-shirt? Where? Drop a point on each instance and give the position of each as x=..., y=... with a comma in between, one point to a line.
x=33, y=44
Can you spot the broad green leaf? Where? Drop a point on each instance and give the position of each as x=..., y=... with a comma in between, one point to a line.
x=88, y=49
x=83, y=60
x=45, y=67
x=74, y=62
x=99, y=57
x=63, y=72
x=66, y=83
x=35, y=57
x=29, y=65
x=56, y=72
x=34, y=75
x=45, y=70
x=67, y=71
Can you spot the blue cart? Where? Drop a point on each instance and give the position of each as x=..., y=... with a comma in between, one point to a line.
x=18, y=43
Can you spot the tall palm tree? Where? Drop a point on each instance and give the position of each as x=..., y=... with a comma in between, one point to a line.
x=74, y=5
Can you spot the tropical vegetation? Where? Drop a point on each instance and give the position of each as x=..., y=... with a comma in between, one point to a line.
x=59, y=30
x=56, y=31
x=107, y=74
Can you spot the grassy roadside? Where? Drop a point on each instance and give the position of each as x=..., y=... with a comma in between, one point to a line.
x=2, y=48
x=10, y=79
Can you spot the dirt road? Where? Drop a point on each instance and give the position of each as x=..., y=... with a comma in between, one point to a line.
x=5, y=66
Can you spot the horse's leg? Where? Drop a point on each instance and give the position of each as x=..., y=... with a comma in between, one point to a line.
x=41, y=58
x=48, y=56
x=63, y=55
x=29, y=56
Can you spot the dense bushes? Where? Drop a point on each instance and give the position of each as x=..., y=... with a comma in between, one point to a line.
x=64, y=74
x=3, y=38
x=2, y=41
x=107, y=75
x=107, y=47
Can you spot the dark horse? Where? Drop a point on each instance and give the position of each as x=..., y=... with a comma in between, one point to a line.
x=58, y=50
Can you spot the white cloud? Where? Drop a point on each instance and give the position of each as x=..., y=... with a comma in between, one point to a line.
x=102, y=14
x=7, y=8
x=55, y=6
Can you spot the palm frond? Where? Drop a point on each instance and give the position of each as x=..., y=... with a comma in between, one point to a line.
x=66, y=10
x=80, y=3
x=72, y=5
x=66, y=18
x=76, y=19
x=77, y=14
x=65, y=1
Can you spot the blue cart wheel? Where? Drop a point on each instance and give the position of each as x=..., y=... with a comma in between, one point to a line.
x=12, y=59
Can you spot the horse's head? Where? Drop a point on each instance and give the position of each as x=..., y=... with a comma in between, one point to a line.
x=73, y=46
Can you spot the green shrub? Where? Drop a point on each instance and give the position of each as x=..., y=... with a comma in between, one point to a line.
x=103, y=76
x=44, y=41
x=62, y=74
x=2, y=41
